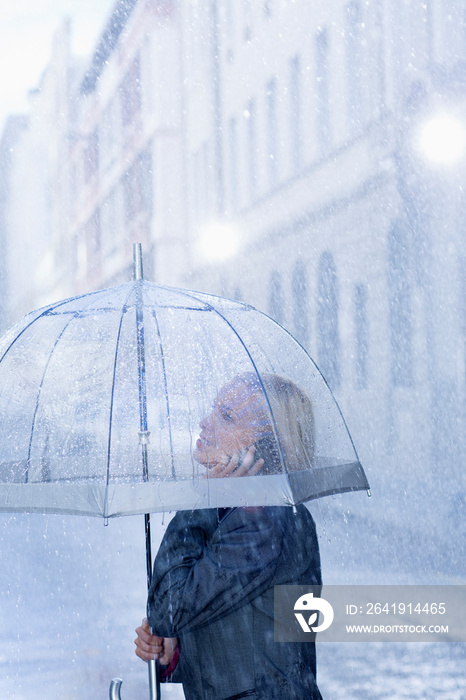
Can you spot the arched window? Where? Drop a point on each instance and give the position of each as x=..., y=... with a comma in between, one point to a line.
x=276, y=298
x=300, y=303
x=252, y=147
x=361, y=336
x=295, y=113
x=272, y=131
x=328, y=337
x=322, y=91
x=400, y=311
x=356, y=80
x=233, y=154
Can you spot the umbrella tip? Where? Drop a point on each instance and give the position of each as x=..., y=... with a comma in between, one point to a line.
x=137, y=262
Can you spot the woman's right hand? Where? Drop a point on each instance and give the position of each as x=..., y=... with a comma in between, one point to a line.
x=149, y=646
x=231, y=466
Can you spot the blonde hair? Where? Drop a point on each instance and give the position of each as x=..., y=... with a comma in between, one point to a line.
x=288, y=417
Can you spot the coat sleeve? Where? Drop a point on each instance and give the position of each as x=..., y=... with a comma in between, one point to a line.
x=206, y=570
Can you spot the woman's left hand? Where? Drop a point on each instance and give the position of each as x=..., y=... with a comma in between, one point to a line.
x=230, y=466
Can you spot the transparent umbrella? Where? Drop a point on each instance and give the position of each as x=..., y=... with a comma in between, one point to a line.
x=101, y=397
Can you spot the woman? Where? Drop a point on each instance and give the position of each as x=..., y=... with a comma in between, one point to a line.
x=212, y=594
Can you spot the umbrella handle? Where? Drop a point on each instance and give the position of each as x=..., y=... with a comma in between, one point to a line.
x=114, y=692
x=154, y=684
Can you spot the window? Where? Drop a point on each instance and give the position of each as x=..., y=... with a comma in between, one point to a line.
x=196, y=185
x=92, y=234
x=233, y=157
x=132, y=193
x=322, y=93
x=400, y=311
x=276, y=299
x=137, y=185
x=272, y=135
x=355, y=67
x=206, y=190
x=107, y=217
x=328, y=337
x=251, y=148
x=295, y=113
x=300, y=303
x=202, y=192
x=109, y=134
x=145, y=169
x=361, y=337
x=73, y=186
x=91, y=157
x=131, y=100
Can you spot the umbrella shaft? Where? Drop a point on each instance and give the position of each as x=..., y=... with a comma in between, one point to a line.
x=153, y=666
x=141, y=370
x=137, y=262
x=154, y=683
x=148, y=550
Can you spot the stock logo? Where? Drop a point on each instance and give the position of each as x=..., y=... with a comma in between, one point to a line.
x=307, y=603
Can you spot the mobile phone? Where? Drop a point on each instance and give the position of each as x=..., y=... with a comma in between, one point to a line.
x=266, y=449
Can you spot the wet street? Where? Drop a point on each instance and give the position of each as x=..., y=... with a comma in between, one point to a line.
x=345, y=671
x=387, y=671
x=74, y=591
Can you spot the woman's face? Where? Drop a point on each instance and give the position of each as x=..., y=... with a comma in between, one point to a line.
x=234, y=423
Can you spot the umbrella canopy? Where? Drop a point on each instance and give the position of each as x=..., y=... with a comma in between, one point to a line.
x=84, y=383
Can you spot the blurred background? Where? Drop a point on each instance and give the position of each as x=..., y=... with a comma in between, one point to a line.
x=308, y=159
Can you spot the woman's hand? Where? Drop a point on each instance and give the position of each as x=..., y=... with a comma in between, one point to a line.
x=229, y=466
x=149, y=646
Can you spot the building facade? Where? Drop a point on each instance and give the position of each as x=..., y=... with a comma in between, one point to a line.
x=127, y=159
x=267, y=151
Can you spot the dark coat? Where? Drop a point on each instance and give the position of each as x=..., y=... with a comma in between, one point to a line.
x=213, y=588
